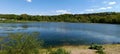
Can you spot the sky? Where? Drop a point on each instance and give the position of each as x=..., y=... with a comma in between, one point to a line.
x=55, y=7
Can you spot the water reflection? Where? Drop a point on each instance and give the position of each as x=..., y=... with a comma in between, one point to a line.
x=77, y=33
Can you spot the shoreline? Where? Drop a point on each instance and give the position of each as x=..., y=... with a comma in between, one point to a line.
x=52, y=21
x=83, y=49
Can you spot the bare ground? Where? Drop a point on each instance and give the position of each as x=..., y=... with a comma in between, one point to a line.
x=109, y=49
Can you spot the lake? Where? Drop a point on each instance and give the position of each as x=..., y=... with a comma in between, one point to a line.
x=67, y=33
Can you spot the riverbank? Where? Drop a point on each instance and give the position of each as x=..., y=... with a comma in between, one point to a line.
x=9, y=21
x=109, y=49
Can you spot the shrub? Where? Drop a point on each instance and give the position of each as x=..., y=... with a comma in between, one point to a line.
x=22, y=43
x=96, y=47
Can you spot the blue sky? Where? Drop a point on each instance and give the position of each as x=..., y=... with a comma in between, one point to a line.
x=53, y=7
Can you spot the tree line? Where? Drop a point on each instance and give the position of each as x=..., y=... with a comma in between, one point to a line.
x=104, y=17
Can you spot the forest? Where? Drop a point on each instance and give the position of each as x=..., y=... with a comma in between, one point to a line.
x=103, y=17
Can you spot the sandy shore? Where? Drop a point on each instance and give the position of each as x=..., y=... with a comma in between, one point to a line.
x=109, y=49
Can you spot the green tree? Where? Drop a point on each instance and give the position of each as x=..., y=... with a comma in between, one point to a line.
x=22, y=44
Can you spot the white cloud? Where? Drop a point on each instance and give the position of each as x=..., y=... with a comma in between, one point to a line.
x=109, y=7
x=98, y=9
x=104, y=8
x=90, y=10
x=112, y=3
x=63, y=12
x=29, y=0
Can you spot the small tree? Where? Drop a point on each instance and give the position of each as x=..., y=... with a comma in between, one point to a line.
x=22, y=43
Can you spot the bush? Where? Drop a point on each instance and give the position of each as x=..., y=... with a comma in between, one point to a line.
x=22, y=43
x=59, y=51
x=96, y=47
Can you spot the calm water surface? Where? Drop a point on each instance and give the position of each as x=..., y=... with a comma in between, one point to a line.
x=67, y=33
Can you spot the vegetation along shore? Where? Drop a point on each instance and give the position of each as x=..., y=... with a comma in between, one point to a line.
x=104, y=17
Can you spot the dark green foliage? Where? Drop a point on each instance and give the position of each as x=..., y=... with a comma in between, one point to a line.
x=22, y=43
x=59, y=51
x=97, y=47
x=105, y=17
